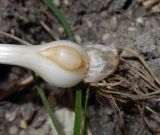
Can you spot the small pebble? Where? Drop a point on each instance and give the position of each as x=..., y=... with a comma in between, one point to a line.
x=106, y=36
x=156, y=8
x=114, y=35
x=114, y=23
x=56, y=2
x=23, y=124
x=10, y=116
x=89, y=23
x=139, y=20
x=13, y=130
x=66, y=2
x=132, y=29
x=78, y=39
x=61, y=30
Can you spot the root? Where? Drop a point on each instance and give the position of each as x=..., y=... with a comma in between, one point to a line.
x=15, y=38
x=144, y=63
x=130, y=83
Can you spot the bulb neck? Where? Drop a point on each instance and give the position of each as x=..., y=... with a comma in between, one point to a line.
x=15, y=54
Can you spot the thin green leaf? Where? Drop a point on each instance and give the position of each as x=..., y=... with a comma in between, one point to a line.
x=78, y=109
x=47, y=105
x=61, y=17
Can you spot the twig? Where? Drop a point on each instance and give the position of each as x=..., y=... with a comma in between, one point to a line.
x=150, y=3
x=151, y=110
x=118, y=114
x=143, y=62
x=15, y=38
x=48, y=30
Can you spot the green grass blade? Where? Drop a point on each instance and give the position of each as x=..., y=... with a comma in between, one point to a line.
x=78, y=109
x=47, y=105
x=61, y=17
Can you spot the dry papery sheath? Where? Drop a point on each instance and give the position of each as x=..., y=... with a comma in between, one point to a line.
x=103, y=61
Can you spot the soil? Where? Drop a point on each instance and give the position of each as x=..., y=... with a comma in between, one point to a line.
x=109, y=22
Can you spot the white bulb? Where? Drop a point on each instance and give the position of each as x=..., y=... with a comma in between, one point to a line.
x=60, y=63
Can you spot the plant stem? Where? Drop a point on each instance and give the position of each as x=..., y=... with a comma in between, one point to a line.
x=78, y=109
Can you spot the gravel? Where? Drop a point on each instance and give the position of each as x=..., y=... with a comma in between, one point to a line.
x=122, y=22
